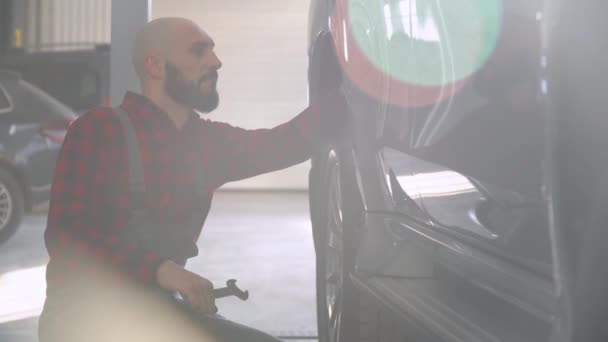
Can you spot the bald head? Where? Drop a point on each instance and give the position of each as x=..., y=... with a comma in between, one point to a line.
x=157, y=38
x=175, y=59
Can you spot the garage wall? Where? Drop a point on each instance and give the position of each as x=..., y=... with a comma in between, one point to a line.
x=65, y=24
x=263, y=82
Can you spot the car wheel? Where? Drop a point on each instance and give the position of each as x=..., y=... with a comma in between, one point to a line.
x=343, y=313
x=11, y=205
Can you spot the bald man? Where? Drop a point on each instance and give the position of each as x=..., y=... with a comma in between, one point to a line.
x=118, y=236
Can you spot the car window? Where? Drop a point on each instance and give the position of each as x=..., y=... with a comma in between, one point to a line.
x=74, y=84
x=5, y=103
x=42, y=103
x=79, y=86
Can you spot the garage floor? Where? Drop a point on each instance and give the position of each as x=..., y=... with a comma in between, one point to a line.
x=263, y=240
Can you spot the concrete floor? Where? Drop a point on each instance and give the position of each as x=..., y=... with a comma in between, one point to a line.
x=263, y=240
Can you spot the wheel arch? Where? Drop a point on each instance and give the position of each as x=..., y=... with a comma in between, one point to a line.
x=22, y=181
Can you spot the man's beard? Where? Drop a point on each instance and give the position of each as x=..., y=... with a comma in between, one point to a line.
x=188, y=93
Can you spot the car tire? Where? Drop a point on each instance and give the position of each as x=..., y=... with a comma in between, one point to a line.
x=344, y=314
x=11, y=205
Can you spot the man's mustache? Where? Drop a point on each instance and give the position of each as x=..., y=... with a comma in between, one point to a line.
x=213, y=75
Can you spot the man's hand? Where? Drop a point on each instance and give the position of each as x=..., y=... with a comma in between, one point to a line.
x=196, y=290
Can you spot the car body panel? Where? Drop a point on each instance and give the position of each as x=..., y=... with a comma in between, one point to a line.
x=452, y=149
x=31, y=135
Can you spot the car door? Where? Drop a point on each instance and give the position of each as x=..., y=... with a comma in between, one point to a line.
x=469, y=255
x=37, y=127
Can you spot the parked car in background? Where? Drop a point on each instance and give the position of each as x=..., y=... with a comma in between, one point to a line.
x=467, y=204
x=32, y=128
x=79, y=78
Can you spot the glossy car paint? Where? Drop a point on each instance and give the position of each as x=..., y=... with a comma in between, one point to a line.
x=454, y=148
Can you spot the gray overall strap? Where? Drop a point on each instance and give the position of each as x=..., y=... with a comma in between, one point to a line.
x=137, y=186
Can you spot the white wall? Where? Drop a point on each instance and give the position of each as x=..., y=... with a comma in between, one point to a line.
x=262, y=44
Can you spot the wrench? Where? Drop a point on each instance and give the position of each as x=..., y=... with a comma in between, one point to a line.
x=231, y=290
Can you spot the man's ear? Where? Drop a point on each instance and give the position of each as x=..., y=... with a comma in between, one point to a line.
x=155, y=67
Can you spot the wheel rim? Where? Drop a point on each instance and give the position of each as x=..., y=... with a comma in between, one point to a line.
x=6, y=206
x=334, y=261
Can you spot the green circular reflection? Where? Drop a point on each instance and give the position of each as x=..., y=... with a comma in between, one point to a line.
x=426, y=42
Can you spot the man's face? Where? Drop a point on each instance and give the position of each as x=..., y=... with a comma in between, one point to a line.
x=191, y=72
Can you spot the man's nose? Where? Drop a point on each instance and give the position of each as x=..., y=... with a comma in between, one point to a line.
x=217, y=64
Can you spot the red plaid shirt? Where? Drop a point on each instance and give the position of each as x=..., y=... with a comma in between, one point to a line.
x=90, y=197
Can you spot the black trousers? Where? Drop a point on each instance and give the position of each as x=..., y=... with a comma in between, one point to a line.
x=135, y=316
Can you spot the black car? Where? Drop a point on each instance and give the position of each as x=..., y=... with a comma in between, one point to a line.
x=468, y=203
x=32, y=128
x=78, y=77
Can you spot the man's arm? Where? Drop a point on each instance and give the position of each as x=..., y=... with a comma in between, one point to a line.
x=75, y=209
x=245, y=153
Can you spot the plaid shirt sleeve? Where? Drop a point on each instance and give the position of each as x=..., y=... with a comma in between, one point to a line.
x=76, y=206
x=247, y=153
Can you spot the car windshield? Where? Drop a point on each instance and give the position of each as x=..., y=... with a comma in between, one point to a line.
x=56, y=107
